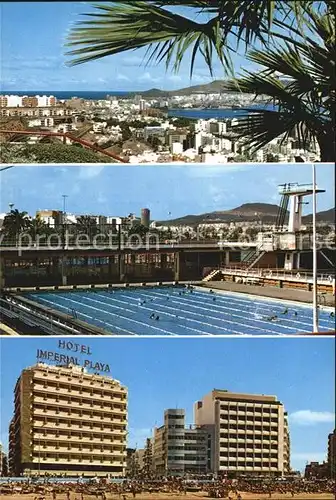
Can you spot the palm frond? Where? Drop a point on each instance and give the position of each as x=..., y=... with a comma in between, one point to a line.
x=117, y=27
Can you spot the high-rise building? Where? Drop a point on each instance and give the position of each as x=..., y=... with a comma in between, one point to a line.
x=179, y=449
x=68, y=421
x=332, y=454
x=142, y=104
x=145, y=217
x=250, y=432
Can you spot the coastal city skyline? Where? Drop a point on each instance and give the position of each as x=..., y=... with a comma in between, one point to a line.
x=161, y=189
x=305, y=395
x=28, y=66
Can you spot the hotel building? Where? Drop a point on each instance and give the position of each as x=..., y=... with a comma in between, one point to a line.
x=250, y=433
x=179, y=449
x=67, y=421
x=332, y=454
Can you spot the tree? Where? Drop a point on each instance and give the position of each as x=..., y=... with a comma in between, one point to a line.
x=15, y=223
x=38, y=227
x=87, y=225
x=293, y=37
x=304, y=95
x=138, y=229
x=155, y=142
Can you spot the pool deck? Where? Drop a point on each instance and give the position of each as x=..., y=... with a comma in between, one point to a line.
x=271, y=292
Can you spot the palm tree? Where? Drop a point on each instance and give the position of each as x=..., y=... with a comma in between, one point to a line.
x=273, y=28
x=15, y=222
x=38, y=227
x=221, y=28
x=87, y=225
x=304, y=94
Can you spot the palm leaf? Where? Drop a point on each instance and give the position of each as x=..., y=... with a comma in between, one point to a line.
x=117, y=27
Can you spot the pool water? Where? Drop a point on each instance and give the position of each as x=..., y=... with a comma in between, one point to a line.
x=182, y=311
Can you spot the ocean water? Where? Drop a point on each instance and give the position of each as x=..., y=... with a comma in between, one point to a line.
x=68, y=94
x=207, y=114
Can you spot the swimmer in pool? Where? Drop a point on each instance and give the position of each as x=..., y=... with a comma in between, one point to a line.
x=157, y=318
x=214, y=299
x=271, y=318
x=285, y=311
x=332, y=315
x=152, y=316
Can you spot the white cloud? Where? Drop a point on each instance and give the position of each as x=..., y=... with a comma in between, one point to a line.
x=174, y=78
x=132, y=61
x=147, y=77
x=309, y=417
x=122, y=77
x=201, y=78
x=90, y=172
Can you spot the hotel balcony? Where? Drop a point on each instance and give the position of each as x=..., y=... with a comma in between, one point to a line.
x=78, y=461
x=89, y=428
x=72, y=416
x=39, y=450
x=111, y=440
x=117, y=396
x=51, y=401
x=87, y=385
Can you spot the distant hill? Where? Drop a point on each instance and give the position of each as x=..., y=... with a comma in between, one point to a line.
x=208, y=88
x=264, y=212
x=325, y=216
x=213, y=87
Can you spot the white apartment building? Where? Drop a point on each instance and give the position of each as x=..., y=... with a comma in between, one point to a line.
x=17, y=101
x=179, y=449
x=250, y=432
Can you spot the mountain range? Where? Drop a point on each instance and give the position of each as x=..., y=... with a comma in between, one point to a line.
x=264, y=212
x=208, y=88
x=214, y=87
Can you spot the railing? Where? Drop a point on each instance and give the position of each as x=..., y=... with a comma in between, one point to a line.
x=302, y=276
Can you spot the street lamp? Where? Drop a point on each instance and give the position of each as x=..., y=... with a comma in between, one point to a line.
x=315, y=305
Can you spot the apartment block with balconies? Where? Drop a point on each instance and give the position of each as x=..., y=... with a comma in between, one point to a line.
x=68, y=421
x=179, y=449
x=250, y=433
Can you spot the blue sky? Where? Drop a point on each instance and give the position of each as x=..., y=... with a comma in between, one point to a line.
x=35, y=60
x=179, y=190
x=163, y=373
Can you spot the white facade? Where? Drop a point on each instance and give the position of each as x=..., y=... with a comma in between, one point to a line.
x=41, y=122
x=14, y=101
x=177, y=148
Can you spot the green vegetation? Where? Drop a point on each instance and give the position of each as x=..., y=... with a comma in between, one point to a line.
x=181, y=122
x=293, y=38
x=50, y=153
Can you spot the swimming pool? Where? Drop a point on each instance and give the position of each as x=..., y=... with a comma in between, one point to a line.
x=179, y=311
x=182, y=311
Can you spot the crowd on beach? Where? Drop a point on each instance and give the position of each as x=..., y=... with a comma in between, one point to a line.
x=127, y=489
